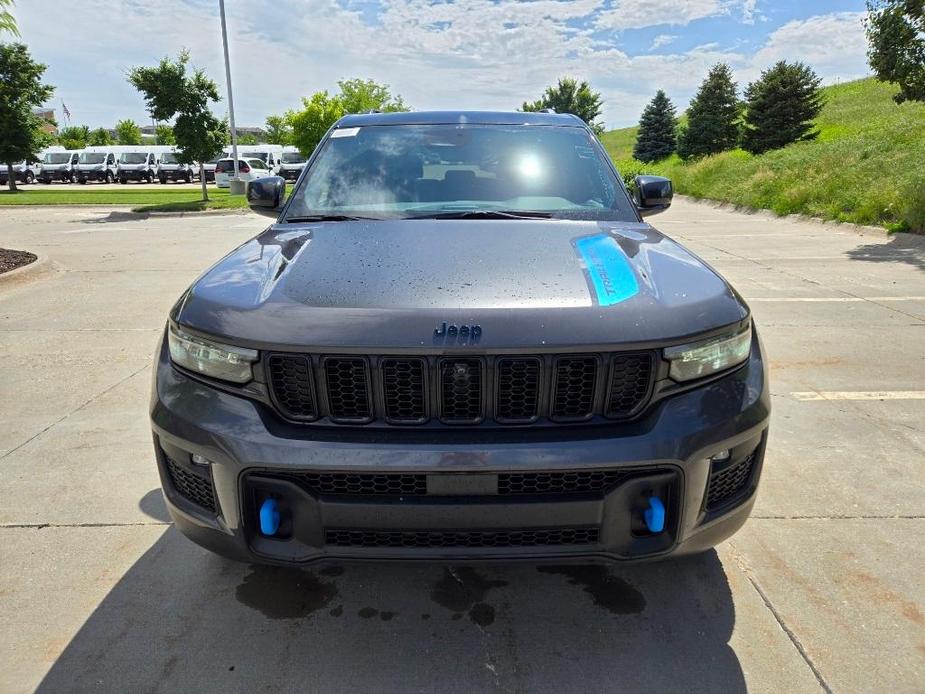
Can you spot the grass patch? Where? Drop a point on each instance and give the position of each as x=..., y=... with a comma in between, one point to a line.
x=142, y=200
x=865, y=167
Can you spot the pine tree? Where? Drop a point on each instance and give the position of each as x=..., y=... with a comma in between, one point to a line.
x=781, y=106
x=712, y=116
x=656, y=138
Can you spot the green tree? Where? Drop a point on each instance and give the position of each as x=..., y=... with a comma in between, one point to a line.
x=360, y=96
x=170, y=92
x=657, y=135
x=100, y=136
x=74, y=136
x=128, y=132
x=570, y=96
x=247, y=139
x=310, y=124
x=7, y=20
x=164, y=135
x=712, y=117
x=279, y=129
x=21, y=90
x=896, y=38
x=780, y=107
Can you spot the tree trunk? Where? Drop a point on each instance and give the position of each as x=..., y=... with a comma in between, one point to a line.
x=10, y=177
x=202, y=179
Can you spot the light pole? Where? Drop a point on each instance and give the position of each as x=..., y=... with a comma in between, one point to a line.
x=237, y=185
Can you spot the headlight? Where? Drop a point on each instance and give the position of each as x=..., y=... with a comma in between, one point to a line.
x=699, y=359
x=210, y=358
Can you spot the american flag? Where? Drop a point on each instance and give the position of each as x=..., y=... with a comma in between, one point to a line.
x=67, y=114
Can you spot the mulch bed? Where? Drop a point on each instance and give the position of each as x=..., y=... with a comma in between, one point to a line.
x=10, y=260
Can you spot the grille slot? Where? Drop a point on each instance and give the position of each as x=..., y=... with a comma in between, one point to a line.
x=362, y=484
x=630, y=380
x=461, y=391
x=192, y=486
x=575, y=379
x=403, y=387
x=528, y=537
x=729, y=484
x=291, y=378
x=347, y=382
x=576, y=482
x=518, y=390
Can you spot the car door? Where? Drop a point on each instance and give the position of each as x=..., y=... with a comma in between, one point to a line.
x=258, y=169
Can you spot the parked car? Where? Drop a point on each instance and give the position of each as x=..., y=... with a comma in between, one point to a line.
x=140, y=165
x=208, y=168
x=24, y=172
x=59, y=166
x=248, y=170
x=459, y=340
x=291, y=163
x=96, y=164
x=171, y=169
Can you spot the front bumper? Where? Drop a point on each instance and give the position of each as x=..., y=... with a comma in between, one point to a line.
x=91, y=175
x=463, y=511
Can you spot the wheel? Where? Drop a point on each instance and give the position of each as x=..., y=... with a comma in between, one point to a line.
x=122, y=180
x=30, y=177
x=72, y=178
x=109, y=177
x=188, y=178
x=82, y=181
x=148, y=177
x=163, y=180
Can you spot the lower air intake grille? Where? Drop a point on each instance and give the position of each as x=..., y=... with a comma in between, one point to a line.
x=191, y=485
x=362, y=484
x=730, y=483
x=559, y=482
x=462, y=538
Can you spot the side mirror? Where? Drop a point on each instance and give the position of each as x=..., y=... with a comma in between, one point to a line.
x=652, y=194
x=266, y=195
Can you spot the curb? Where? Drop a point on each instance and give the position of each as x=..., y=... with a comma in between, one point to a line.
x=40, y=265
x=163, y=215
x=861, y=229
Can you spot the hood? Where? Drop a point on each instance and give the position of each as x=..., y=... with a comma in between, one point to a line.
x=392, y=284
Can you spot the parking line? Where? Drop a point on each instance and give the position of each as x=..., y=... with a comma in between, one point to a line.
x=832, y=299
x=815, y=396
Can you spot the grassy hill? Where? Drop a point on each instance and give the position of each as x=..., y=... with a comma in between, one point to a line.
x=867, y=165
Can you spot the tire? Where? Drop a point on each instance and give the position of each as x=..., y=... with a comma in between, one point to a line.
x=109, y=177
x=123, y=181
x=29, y=177
x=163, y=180
x=148, y=177
x=82, y=181
x=72, y=178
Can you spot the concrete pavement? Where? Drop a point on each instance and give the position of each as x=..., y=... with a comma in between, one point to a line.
x=823, y=590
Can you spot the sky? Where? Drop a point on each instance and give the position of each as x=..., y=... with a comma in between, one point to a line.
x=437, y=54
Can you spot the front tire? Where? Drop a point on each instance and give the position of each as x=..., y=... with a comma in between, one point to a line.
x=109, y=177
x=29, y=177
x=163, y=180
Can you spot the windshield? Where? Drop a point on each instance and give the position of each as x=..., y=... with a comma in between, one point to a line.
x=263, y=156
x=91, y=158
x=422, y=170
x=133, y=158
x=56, y=158
x=293, y=158
x=169, y=158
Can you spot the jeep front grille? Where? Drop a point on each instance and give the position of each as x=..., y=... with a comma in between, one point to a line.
x=458, y=391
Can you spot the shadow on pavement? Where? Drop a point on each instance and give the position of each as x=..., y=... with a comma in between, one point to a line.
x=184, y=620
x=901, y=248
x=152, y=504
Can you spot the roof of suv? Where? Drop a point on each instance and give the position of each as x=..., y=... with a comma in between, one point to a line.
x=447, y=117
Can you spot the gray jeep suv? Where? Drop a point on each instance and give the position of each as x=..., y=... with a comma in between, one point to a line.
x=458, y=340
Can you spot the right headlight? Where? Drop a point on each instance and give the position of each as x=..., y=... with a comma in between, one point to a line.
x=214, y=359
x=699, y=359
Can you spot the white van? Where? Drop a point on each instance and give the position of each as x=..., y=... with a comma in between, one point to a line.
x=23, y=172
x=170, y=169
x=59, y=165
x=140, y=164
x=98, y=163
x=291, y=164
x=270, y=154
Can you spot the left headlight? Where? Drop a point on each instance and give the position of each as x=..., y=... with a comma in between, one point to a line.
x=209, y=358
x=699, y=359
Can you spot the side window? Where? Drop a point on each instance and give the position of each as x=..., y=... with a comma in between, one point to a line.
x=112, y=159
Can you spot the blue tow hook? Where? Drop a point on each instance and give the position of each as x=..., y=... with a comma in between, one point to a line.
x=655, y=515
x=269, y=517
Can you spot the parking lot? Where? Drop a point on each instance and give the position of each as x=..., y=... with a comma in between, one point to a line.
x=823, y=590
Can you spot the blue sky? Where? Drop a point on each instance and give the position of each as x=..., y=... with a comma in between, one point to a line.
x=487, y=54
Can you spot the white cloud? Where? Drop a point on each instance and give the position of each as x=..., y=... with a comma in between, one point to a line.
x=749, y=11
x=635, y=14
x=662, y=40
x=473, y=54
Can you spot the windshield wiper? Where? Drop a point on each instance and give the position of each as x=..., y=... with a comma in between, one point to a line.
x=328, y=218
x=484, y=214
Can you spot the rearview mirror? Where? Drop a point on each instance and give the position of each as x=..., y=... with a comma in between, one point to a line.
x=266, y=195
x=652, y=194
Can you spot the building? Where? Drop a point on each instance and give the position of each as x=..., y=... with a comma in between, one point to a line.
x=50, y=124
